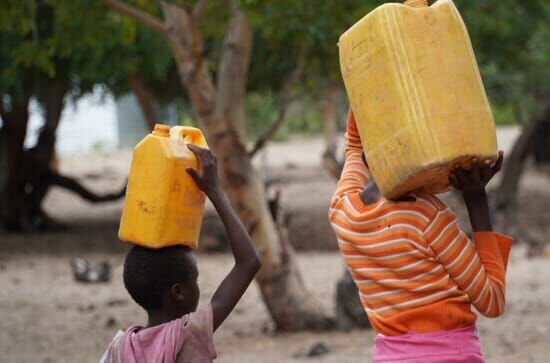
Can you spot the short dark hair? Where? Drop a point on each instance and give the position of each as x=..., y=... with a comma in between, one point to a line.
x=364, y=158
x=148, y=273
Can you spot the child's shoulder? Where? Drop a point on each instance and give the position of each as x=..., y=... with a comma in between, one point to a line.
x=113, y=352
x=429, y=203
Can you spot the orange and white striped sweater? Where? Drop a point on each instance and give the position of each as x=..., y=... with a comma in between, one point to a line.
x=415, y=270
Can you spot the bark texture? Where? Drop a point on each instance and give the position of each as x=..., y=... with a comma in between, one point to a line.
x=145, y=100
x=220, y=112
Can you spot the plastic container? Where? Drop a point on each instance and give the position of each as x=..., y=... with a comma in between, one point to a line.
x=163, y=205
x=417, y=95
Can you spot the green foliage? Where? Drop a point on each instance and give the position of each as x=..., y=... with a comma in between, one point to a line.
x=82, y=43
x=261, y=110
x=303, y=117
x=79, y=43
x=510, y=39
x=503, y=114
x=283, y=27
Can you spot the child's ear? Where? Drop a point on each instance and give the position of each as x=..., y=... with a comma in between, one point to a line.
x=177, y=292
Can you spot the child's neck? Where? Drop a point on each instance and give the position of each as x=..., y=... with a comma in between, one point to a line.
x=158, y=317
x=370, y=194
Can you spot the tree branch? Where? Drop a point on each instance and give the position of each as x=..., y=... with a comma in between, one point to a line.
x=145, y=100
x=233, y=71
x=140, y=16
x=286, y=99
x=199, y=9
x=74, y=186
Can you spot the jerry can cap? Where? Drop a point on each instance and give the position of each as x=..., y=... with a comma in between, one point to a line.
x=161, y=130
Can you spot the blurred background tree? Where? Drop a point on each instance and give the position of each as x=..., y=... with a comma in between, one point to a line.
x=53, y=53
x=510, y=39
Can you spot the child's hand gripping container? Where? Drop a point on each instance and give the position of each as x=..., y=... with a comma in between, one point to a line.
x=163, y=205
x=416, y=94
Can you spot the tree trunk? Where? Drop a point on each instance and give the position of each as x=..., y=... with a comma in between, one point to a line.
x=330, y=131
x=27, y=175
x=38, y=161
x=350, y=313
x=233, y=72
x=542, y=143
x=145, y=100
x=283, y=290
x=505, y=205
x=12, y=186
x=524, y=146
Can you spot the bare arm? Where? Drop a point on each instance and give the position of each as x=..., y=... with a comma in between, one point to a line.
x=472, y=185
x=247, y=262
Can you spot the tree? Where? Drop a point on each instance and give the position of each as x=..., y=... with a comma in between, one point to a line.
x=219, y=110
x=511, y=43
x=50, y=55
x=143, y=66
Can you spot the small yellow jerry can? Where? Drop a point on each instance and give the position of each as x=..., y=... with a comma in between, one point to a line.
x=163, y=205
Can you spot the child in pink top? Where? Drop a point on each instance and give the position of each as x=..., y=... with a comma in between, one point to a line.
x=164, y=283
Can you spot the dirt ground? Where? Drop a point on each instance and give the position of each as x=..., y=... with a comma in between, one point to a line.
x=46, y=316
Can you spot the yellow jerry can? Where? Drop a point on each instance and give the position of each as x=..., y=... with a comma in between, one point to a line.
x=415, y=90
x=163, y=206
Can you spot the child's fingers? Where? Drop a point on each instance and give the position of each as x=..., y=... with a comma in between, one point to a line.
x=193, y=148
x=498, y=164
x=461, y=177
x=193, y=173
x=486, y=170
x=475, y=172
x=201, y=153
x=198, y=151
x=454, y=181
x=196, y=147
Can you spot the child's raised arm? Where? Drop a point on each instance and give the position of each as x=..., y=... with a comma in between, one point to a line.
x=247, y=262
x=354, y=176
x=472, y=185
x=478, y=268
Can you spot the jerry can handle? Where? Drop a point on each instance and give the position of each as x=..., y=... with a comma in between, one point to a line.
x=416, y=3
x=193, y=135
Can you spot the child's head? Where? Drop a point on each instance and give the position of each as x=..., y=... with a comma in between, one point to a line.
x=163, y=279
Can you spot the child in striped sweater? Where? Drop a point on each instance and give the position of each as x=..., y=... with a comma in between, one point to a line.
x=417, y=273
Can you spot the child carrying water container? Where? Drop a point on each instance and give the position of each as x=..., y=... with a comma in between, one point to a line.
x=417, y=273
x=164, y=283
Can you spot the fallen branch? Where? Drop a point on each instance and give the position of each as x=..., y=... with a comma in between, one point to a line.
x=74, y=186
x=140, y=16
x=286, y=100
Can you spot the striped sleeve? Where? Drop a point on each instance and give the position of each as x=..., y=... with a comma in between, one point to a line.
x=355, y=173
x=478, y=268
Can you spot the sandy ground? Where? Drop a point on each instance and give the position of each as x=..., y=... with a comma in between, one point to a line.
x=48, y=317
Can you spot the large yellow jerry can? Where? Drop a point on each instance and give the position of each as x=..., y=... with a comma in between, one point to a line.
x=417, y=95
x=163, y=206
